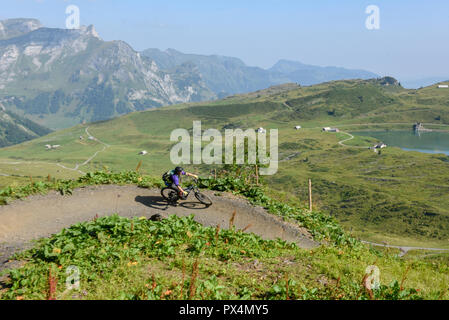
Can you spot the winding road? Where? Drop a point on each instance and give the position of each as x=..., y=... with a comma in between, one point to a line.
x=403, y=249
x=350, y=138
x=77, y=166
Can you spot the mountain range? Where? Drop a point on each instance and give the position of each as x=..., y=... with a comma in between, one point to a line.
x=226, y=75
x=61, y=77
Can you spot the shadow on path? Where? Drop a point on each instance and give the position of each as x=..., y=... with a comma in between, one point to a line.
x=193, y=205
x=154, y=202
x=157, y=202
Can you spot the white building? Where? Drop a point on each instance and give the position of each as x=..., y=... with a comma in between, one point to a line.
x=443, y=86
x=380, y=146
x=261, y=130
x=329, y=129
x=56, y=146
x=297, y=127
x=142, y=153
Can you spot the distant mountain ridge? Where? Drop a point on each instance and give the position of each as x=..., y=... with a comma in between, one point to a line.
x=310, y=75
x=227, y=75
x=223, y=75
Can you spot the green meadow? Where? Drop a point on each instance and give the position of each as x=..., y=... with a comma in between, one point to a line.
x=396, y=196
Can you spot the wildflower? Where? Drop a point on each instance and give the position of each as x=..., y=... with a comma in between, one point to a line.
x=167, y=293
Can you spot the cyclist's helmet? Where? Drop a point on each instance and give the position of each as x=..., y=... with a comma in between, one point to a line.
x=178, y=170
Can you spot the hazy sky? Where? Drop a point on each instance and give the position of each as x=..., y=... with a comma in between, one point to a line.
x=412, y=42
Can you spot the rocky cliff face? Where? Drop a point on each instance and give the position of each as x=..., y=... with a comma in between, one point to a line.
x=75, y=76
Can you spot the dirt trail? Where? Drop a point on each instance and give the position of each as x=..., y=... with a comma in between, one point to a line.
x=42, y=215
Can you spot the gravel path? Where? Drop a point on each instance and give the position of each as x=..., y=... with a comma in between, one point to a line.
x=43, y=215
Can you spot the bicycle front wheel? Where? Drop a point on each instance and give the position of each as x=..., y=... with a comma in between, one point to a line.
x=203, y=198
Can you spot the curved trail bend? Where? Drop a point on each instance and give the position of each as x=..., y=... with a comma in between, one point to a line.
x=43, y=215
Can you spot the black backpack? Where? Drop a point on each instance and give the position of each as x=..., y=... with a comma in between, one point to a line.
x=167, y=176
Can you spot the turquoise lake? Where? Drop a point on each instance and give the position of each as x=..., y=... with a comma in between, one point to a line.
x=427, y=142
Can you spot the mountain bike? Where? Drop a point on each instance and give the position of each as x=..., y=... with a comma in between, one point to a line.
x=172, y=196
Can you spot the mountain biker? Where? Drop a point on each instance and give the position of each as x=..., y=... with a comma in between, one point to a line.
x=172, y=179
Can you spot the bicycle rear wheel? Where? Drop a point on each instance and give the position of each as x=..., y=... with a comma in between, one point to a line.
x=170, y=195
x=203, y=198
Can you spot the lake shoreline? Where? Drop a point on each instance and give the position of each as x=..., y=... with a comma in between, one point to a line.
x=429, y=142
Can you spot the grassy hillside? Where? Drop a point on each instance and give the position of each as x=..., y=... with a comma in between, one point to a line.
x=398, y=196
x=15, y=129
x=177, y=258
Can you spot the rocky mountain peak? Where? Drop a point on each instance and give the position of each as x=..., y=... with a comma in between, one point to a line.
x=10, y=28
x=388, y=81
x=90, y=31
